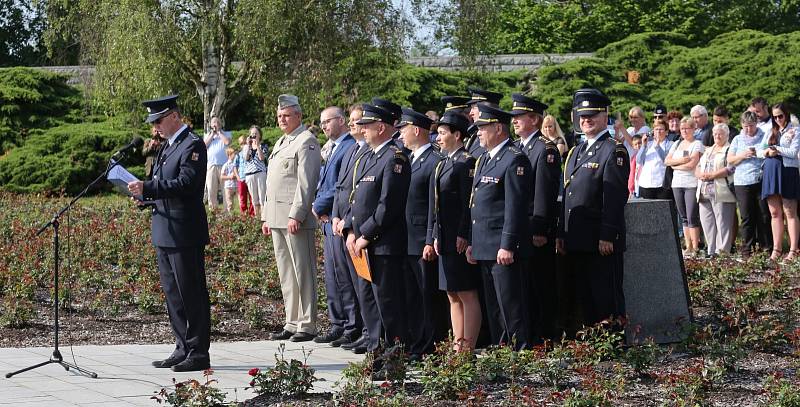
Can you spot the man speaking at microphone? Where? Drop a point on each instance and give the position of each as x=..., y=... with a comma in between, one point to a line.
x=179, y=233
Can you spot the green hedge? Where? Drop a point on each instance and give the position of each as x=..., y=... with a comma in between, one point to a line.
x=65, y=158
x=731, y=70
x=33, y=98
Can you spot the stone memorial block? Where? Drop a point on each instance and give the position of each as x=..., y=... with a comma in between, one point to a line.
x=656, y=293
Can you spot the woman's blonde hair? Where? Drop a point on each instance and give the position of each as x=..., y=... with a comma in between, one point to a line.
x=549, y=117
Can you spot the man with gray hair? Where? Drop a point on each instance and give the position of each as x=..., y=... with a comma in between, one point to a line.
x=703, y=128
x=291, y=186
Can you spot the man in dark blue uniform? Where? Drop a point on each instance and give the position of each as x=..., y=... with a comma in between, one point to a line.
x=179, y=233
x=396, y=111
x=343, y=312
x=479, y=97
x=500, y=238
x=542, y=213
x=426, y=305
x=592, y=221
x=377, y=221
x=343, y=194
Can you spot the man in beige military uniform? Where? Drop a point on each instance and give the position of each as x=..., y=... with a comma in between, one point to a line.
x=291, y=186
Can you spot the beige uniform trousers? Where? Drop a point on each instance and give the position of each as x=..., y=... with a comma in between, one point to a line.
x=297, y=268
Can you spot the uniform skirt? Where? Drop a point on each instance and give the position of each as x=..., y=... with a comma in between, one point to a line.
x=455, y=274
x=780, y=180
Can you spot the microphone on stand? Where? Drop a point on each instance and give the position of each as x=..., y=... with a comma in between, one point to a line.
x=135, y=143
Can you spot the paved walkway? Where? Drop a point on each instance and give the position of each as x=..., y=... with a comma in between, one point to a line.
x=126, y=378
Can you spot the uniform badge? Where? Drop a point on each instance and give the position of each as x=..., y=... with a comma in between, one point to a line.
x=520, y=170
x=369, y=178
x=398, y=168
x=311, y=147
x=551, y=158
x=195, y=156
x=620, y=161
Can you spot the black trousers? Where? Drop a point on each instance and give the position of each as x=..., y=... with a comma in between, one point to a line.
x=388, y=287
x=428, y=307
x=543, y=299
x=372, y=329
x=598, y=285
x=504, y=289
x=183, y=278
x=341, y=294
x=756, y=227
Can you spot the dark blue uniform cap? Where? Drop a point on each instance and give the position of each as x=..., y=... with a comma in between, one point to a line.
x=158, y=108
x=589, y=102
x=455, y=102
x=524, y=104
x=456, y=122
x=490, y=115
x=412, y=117
x=374, y=114
x=387, y=105
x=660, y=110
x=480, y=95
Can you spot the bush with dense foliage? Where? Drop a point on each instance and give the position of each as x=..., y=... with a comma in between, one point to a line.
x=33, y=98
x=65, y=158
x=730, y=70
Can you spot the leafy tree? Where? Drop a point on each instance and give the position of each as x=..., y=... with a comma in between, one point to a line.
x=543, y=26
x=21, y=24
x=147, y=48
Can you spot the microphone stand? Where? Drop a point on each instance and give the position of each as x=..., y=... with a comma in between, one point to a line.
x=55, y=222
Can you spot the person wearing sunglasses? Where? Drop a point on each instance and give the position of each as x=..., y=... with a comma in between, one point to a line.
x=781, y=181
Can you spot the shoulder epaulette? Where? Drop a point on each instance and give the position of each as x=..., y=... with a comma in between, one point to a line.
x=466, y=155
x=398, y=153
x=514, y=149
x=620, y=148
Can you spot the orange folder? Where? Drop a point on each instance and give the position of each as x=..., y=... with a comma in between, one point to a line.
x=362, y=265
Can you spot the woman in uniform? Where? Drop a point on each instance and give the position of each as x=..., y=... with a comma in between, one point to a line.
x=449, y=228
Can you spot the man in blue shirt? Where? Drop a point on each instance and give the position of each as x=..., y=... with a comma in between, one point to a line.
x=216, y=141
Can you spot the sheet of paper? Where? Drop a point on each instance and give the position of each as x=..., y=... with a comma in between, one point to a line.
x=120, y=177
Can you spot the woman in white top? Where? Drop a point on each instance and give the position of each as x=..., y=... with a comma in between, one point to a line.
x=715, y=193
x=650, y=160
x=683, y=158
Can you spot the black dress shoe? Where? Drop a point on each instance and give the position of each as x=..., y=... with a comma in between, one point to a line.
x=328, y=337
x=301, y=337
x=361, y=341
x=281, y=336
x=168, y=362
x=344, y=339
x=191, y=365
x=360, y=349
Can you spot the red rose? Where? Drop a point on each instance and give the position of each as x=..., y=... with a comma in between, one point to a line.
x=254, y=371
